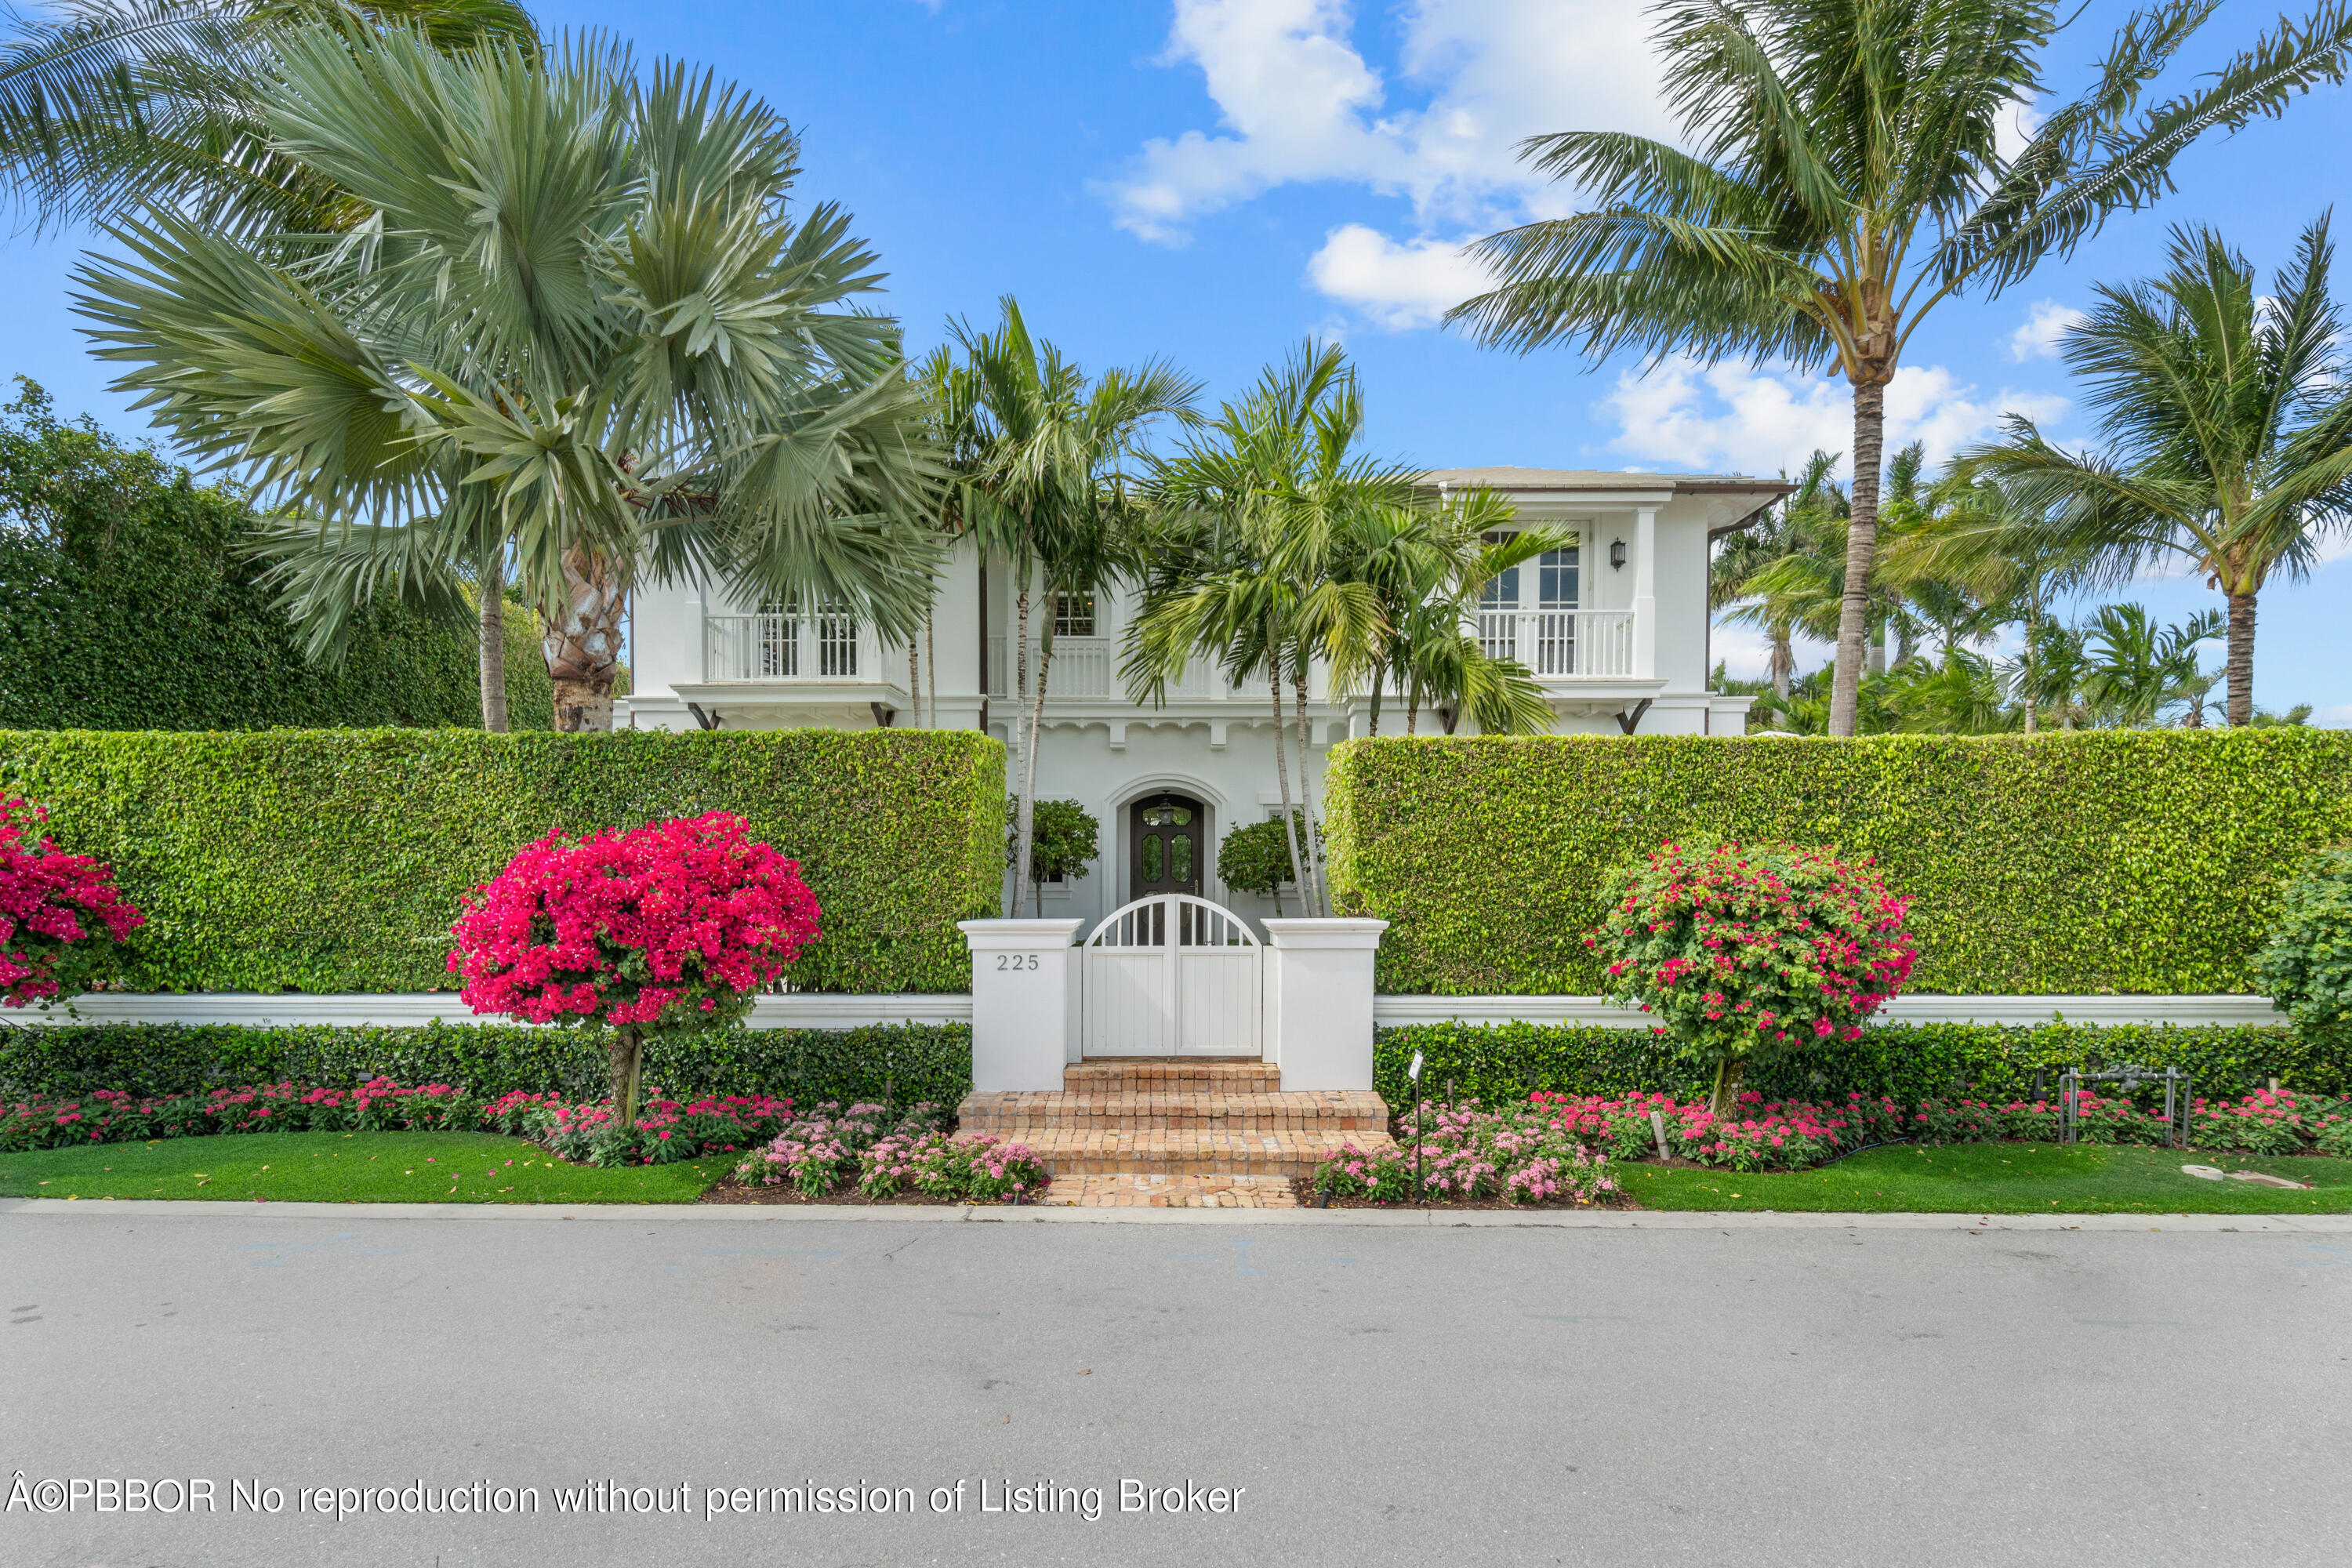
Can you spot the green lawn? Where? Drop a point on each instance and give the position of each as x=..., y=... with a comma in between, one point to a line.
x=347, y=1167
x=2003, y=1178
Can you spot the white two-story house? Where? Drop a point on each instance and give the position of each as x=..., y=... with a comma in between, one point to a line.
x=1615, y=630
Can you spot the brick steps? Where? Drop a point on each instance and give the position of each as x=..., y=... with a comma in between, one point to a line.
x=1181, y=1131
x=1130, y=1190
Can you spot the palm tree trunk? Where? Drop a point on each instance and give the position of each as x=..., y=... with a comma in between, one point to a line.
x=1784, y=663
x=2241, y=659
x=1379, y=684
x=1861, y=547
x=1319, y=900
x=1020, y=742
x=914, y=681
x=493, y=616
x=1413, y=709
x=1282, y=779
x=1029, y=768
x=931, y=660
x=583, y=648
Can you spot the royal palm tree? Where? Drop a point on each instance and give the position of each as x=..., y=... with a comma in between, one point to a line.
x=109, y=105
x=1844, y=176
x=1045, y=485
x=578, y=326
x=2229, y=433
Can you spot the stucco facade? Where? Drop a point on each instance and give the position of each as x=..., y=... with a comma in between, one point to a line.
x=1616, y=632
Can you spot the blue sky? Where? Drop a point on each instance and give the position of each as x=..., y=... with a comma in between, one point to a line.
x=1210, y=181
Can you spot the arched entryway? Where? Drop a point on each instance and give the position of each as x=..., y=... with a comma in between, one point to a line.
x=1166, y=839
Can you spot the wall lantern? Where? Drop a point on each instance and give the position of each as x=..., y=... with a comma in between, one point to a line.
x=1617, y=554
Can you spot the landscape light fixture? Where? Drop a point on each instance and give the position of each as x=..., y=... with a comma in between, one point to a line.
x=1413, y=1072
x=1617, y=554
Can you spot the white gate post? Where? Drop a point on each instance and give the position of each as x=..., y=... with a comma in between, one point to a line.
x=1024, y=1003
x=1319, y=1001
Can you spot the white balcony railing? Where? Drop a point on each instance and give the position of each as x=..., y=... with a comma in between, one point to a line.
x=1086, y=669
x=825, y=646
x=1560, y=644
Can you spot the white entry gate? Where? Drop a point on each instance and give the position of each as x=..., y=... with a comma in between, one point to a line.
x=1171, y=975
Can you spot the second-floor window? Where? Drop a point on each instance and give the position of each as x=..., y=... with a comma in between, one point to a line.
x=1556, y=573
x=1073, y=615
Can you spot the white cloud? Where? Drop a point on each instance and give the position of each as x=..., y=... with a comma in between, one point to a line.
x=1396, y=286
x=1734, y=416
x=1297, y=102
x=2046, y=323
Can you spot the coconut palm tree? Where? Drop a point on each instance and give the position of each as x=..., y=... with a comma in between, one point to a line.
x=2136, y=667
x=1747, y=568
x=2227, y=426
x=578, y=326
x=1045, y=485
x=1844, y=176
x=109, y=105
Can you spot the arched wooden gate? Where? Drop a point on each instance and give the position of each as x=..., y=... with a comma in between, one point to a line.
x=1171, y=975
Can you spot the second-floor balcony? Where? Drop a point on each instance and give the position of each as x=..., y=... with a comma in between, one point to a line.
x=1086, y=669
x=1560, y=644
x=824, y=646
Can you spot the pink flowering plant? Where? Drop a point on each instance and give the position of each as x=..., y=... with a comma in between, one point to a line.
x=61, y=916
x=1466, y=1152
x=665, y=929
x=1749, y=952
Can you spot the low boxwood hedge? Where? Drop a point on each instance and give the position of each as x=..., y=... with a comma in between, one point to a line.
x=1496, y=1063
x=907, y=1062
x=335, y=860
x=2135, y=861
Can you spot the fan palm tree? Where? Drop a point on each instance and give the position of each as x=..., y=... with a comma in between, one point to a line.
x=1846, y=177
x=1044, y=484
x=2228, y=432
x=107, y=106
x=579, y=325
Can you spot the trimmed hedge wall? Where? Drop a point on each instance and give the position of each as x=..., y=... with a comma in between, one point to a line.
x=908, y=1061
x=1912, y=1062
x=334, y=861
x=2132, y=862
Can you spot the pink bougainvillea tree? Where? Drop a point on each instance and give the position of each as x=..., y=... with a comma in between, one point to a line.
x=60, y=915
x=665, y=928
x=1752, y=951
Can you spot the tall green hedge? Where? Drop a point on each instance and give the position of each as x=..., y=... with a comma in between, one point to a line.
x=907, y=1062
x=131, y=604
x=2115, y=861
x=1505, y=1062
x=334, y=861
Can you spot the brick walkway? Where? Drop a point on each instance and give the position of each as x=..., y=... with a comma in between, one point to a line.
x=1186, y=1133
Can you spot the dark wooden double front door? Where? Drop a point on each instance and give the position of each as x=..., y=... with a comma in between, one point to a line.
x=1166, y=845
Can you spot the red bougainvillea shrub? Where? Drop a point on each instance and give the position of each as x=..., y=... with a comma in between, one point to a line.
x=60, y=914
x=1753, y=951
x=666, y=928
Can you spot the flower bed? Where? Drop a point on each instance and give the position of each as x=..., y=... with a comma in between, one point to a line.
x=1556, y=1148
x=843, y=1149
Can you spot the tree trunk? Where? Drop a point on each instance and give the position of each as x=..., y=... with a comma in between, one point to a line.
x=931, y=660
x=1282, y=779
x=1319, y=902
x=625, y=1062
x=583, y=648
x=1726, y=1086
x=914, y=680
x=1861, y=548
x=1379, y=684
x=1020, y=727
x=493, y=616
x=2241, y=659
x=1413, y=709
x=1029, y=773
x=1784, y=663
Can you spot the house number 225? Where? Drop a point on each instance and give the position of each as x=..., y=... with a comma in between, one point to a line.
x=1016, y=961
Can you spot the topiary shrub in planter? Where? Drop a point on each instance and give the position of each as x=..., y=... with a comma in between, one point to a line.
x=667, y=929
x=1754, y=953
x=2306, y=965
x=61, y=916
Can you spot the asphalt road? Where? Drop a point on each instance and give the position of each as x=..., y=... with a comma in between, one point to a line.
x=1363, y=1395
